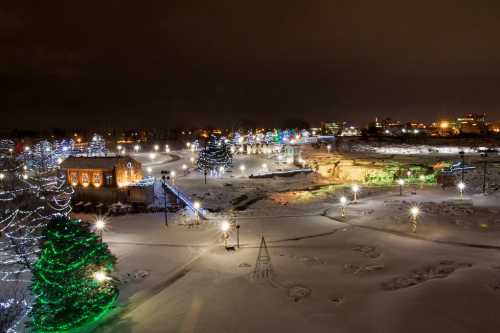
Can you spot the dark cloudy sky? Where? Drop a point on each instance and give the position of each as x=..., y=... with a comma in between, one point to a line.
x=181, y=62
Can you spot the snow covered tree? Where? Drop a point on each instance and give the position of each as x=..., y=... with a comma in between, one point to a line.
x=27, y=201
x=97, y=146
x=70, y=279
x=216, y=154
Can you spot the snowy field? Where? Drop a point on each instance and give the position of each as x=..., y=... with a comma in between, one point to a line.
x=365, y=272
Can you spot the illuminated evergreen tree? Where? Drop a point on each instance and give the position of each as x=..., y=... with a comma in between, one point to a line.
x=70, y=278
x=215, y=155
x=97, y=146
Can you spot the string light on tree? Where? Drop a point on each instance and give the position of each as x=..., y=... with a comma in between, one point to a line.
x=71, y=279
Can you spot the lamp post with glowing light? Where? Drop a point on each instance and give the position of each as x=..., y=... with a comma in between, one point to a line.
x=401, y=182
x=414, y=211
x=461, y=187
x=100, y=276
x=156, y=147
x=196, y=207
x=355, y=190
x=137, y=148
x=242, y=169
x=99, y=226
x=422, y=181
x=172, y=176
x=329, y=147
x=343, y=202
x=225, y=226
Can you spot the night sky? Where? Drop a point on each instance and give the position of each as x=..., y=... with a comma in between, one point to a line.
x=222, y=63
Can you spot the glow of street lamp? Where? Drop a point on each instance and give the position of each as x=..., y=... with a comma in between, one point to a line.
x=152, y=156
x=118, y=147
x=355, y=188
x=196, y=205
x=242, y=167
x=414, y=211
x=149, y=169
x=100, y=224
x=26, y=148
x=184, y=167
x=401, y=182
x=224, y=226
x=136, y=148
x=172, y=173
x=101, y=276
x=2, y=176
x=343, y=200
x=461, y=186
x=264, y=166
x=156, y=147
x=188, y=144
x=192, y=159
x=25, y=176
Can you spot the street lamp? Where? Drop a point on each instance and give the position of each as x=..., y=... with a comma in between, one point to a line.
x=343, y=202
x=184, y=167
x=152, y=156
x=156, y=147
x=99, y=226
x=264, y=167
x=401, y=182
x=355, y=190
x=422, y=181
x=172, y=175
x=196, y=207
x=2, y=176
x=188, y=144
x=149, y=170
x=242, y=169
x=136, y=148
x=329, y=147
x=225, y=226
x=191, y=160
x=100, y=276
x=414, y=211
x=484, y=155
x=461, y=187
x=221, y=170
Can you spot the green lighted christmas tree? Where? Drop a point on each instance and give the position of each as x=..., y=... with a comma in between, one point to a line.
x=70, y=278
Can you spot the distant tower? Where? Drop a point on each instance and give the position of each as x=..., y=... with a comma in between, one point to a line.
x=263, y=267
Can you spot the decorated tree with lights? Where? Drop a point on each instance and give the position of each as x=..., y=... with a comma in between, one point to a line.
x=28, y=200
x=215, y=155
x=97, y=146
x=71, y=277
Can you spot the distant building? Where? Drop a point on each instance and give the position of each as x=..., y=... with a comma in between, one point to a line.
x=494, y=127
x=332, y=127
x=472, y=124
x=97, y=172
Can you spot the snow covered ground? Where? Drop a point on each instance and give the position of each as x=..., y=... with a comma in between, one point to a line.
x=366, y=272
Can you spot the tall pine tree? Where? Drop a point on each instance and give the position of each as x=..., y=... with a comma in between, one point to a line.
x=70, y=278
x=215, y=155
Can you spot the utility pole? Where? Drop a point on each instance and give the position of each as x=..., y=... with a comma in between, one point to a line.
x=165, y=193
x=484, y=155
x=462, y=156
